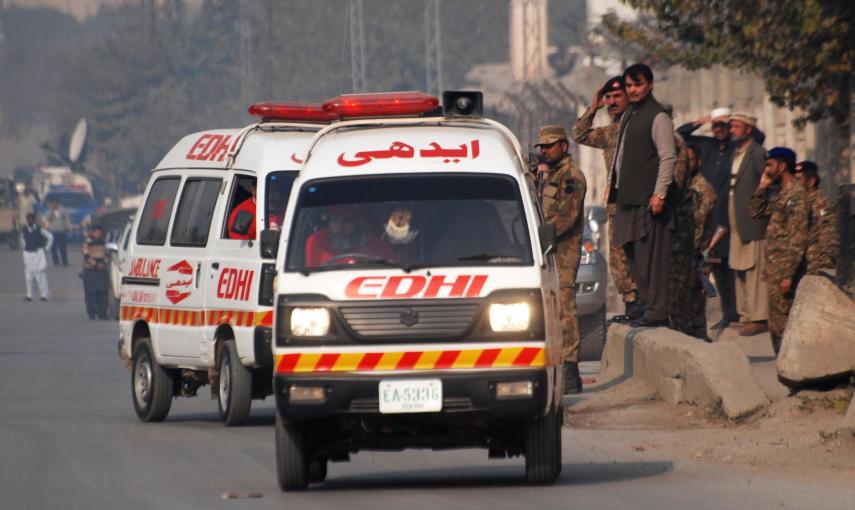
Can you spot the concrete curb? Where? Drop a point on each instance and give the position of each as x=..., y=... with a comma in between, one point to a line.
x=684, y=369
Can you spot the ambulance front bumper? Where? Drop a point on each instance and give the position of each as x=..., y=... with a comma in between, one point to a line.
x=463, y=393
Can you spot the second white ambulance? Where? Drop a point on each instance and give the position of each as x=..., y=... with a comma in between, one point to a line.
x=416, y=296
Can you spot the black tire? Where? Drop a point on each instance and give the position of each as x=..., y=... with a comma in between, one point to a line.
x=592, y=332
x=151, y=384
x=234, y=397
x=318, y=470
x=543, y=448
x=292, y=464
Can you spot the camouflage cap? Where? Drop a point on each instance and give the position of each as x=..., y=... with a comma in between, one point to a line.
x=550, y=134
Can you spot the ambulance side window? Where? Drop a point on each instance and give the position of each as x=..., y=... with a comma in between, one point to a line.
x=242, y=187
x=195, y=212
x=154, y=221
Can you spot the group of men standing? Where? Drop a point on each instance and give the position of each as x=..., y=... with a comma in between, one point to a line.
x=678, y=202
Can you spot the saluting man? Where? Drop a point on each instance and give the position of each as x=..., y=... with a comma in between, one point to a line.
x=823, y=242
x=786, y=235
x=562, y=194
x=36, y=241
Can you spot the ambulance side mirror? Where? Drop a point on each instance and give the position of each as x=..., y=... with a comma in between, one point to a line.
x=269, y=244
x=111, y=247
x=546, y=234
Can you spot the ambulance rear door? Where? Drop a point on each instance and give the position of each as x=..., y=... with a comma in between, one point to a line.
x=185, y=262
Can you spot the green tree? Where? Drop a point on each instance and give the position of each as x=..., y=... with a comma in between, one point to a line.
x=803, y=49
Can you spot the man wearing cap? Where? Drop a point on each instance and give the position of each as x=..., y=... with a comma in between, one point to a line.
x=716, y=157
x=642, y=173
x=562, y=194
x=823, y=242
x=613, y=96
x=786, y=235
x=746, y=254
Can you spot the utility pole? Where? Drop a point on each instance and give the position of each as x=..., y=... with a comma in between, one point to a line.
x=357, y=46
x=528, y=40
x=433, y=48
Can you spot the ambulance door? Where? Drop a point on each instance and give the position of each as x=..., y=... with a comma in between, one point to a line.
x=234, y=271
x=185, y=262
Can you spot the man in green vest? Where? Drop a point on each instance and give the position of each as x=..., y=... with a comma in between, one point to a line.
x=642, y=173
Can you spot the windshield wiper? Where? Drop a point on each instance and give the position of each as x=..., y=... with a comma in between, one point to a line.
x=379, y=261
x=487, y=257
x=481, y=257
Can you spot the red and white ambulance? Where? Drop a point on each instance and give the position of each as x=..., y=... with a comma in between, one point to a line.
x=416, y=295
x=196, y=293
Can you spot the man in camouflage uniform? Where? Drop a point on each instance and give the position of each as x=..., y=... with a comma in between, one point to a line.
x=786, y=235
x=613, y=96
x=562, y=187
x=823, y=242
x=694, y=199
x=96, y=281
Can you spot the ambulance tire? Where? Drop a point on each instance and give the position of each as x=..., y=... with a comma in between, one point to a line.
x=151, y=384
x=292, y=463
x=234, y=397
x=543, y=448
x=318, y=470
x=592, y=333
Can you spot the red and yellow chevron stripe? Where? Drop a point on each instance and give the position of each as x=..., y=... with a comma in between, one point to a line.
x=175, y=317
x=506, y=357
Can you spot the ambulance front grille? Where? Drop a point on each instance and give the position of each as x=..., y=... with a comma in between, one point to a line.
x=424, y=320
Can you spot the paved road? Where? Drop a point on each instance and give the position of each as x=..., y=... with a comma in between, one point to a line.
x=69, y=439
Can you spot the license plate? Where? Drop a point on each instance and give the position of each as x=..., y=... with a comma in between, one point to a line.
x=411, y=396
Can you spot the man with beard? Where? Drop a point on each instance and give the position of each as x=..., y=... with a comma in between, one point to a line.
x=748, y=234
x=562, y=195
x=716, y=155
x=786, y=236
x=613, y=96
x=643, y=171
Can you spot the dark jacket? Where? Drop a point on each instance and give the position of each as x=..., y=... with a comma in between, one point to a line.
x=639, y=165
x=747, y=179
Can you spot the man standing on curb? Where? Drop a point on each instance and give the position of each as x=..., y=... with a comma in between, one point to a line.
x=613, y=96
x=642, y=173
x=562, y=195
x=747, y=234
x=786, y=235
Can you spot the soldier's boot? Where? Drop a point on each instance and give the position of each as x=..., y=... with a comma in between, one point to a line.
x=572, y=378
x=633, y=309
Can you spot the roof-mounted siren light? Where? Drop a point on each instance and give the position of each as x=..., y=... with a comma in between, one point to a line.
x=382, y=104
x=281, y=111
x=463, y=103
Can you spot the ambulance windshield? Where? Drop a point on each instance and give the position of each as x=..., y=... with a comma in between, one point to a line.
x=409, y=221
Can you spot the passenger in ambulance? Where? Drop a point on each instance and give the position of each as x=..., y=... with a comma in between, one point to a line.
x=275, y=208
x=401, y=233
x=344, y=240
x=242, y=218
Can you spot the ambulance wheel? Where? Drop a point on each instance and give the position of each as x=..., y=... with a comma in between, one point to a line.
x=151, y=384
x=234, y=397
x=318, y=470
x=543, y=448
x=292, y=464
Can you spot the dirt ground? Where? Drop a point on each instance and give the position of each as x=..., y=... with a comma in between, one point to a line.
x=796, y=434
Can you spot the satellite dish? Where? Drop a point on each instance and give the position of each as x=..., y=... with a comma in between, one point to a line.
x=78, y=141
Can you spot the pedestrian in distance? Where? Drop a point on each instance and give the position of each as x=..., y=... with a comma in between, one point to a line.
x=785, y=205
x=746, y=255
x=823, y=241
x=716, y=157
x=562, y=189
x=36, y=241
x=642, y=173
x=58, y=223
x=27, y=201
x=96, y=282
x=613, y=96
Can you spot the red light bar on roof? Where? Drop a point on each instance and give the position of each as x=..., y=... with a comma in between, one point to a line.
x=277, y=110
x=383, y=104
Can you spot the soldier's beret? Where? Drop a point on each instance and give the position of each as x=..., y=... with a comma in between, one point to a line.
x=781, y=154
x=614, y=83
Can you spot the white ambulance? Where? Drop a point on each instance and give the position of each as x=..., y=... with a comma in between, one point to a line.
x=416, y=296
x=196, y=293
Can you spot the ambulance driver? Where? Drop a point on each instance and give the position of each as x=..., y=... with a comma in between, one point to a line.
x=245, y=207
x=344, y=235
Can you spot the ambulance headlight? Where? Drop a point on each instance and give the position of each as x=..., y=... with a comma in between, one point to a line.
x=310, y=322
x=508, y=317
